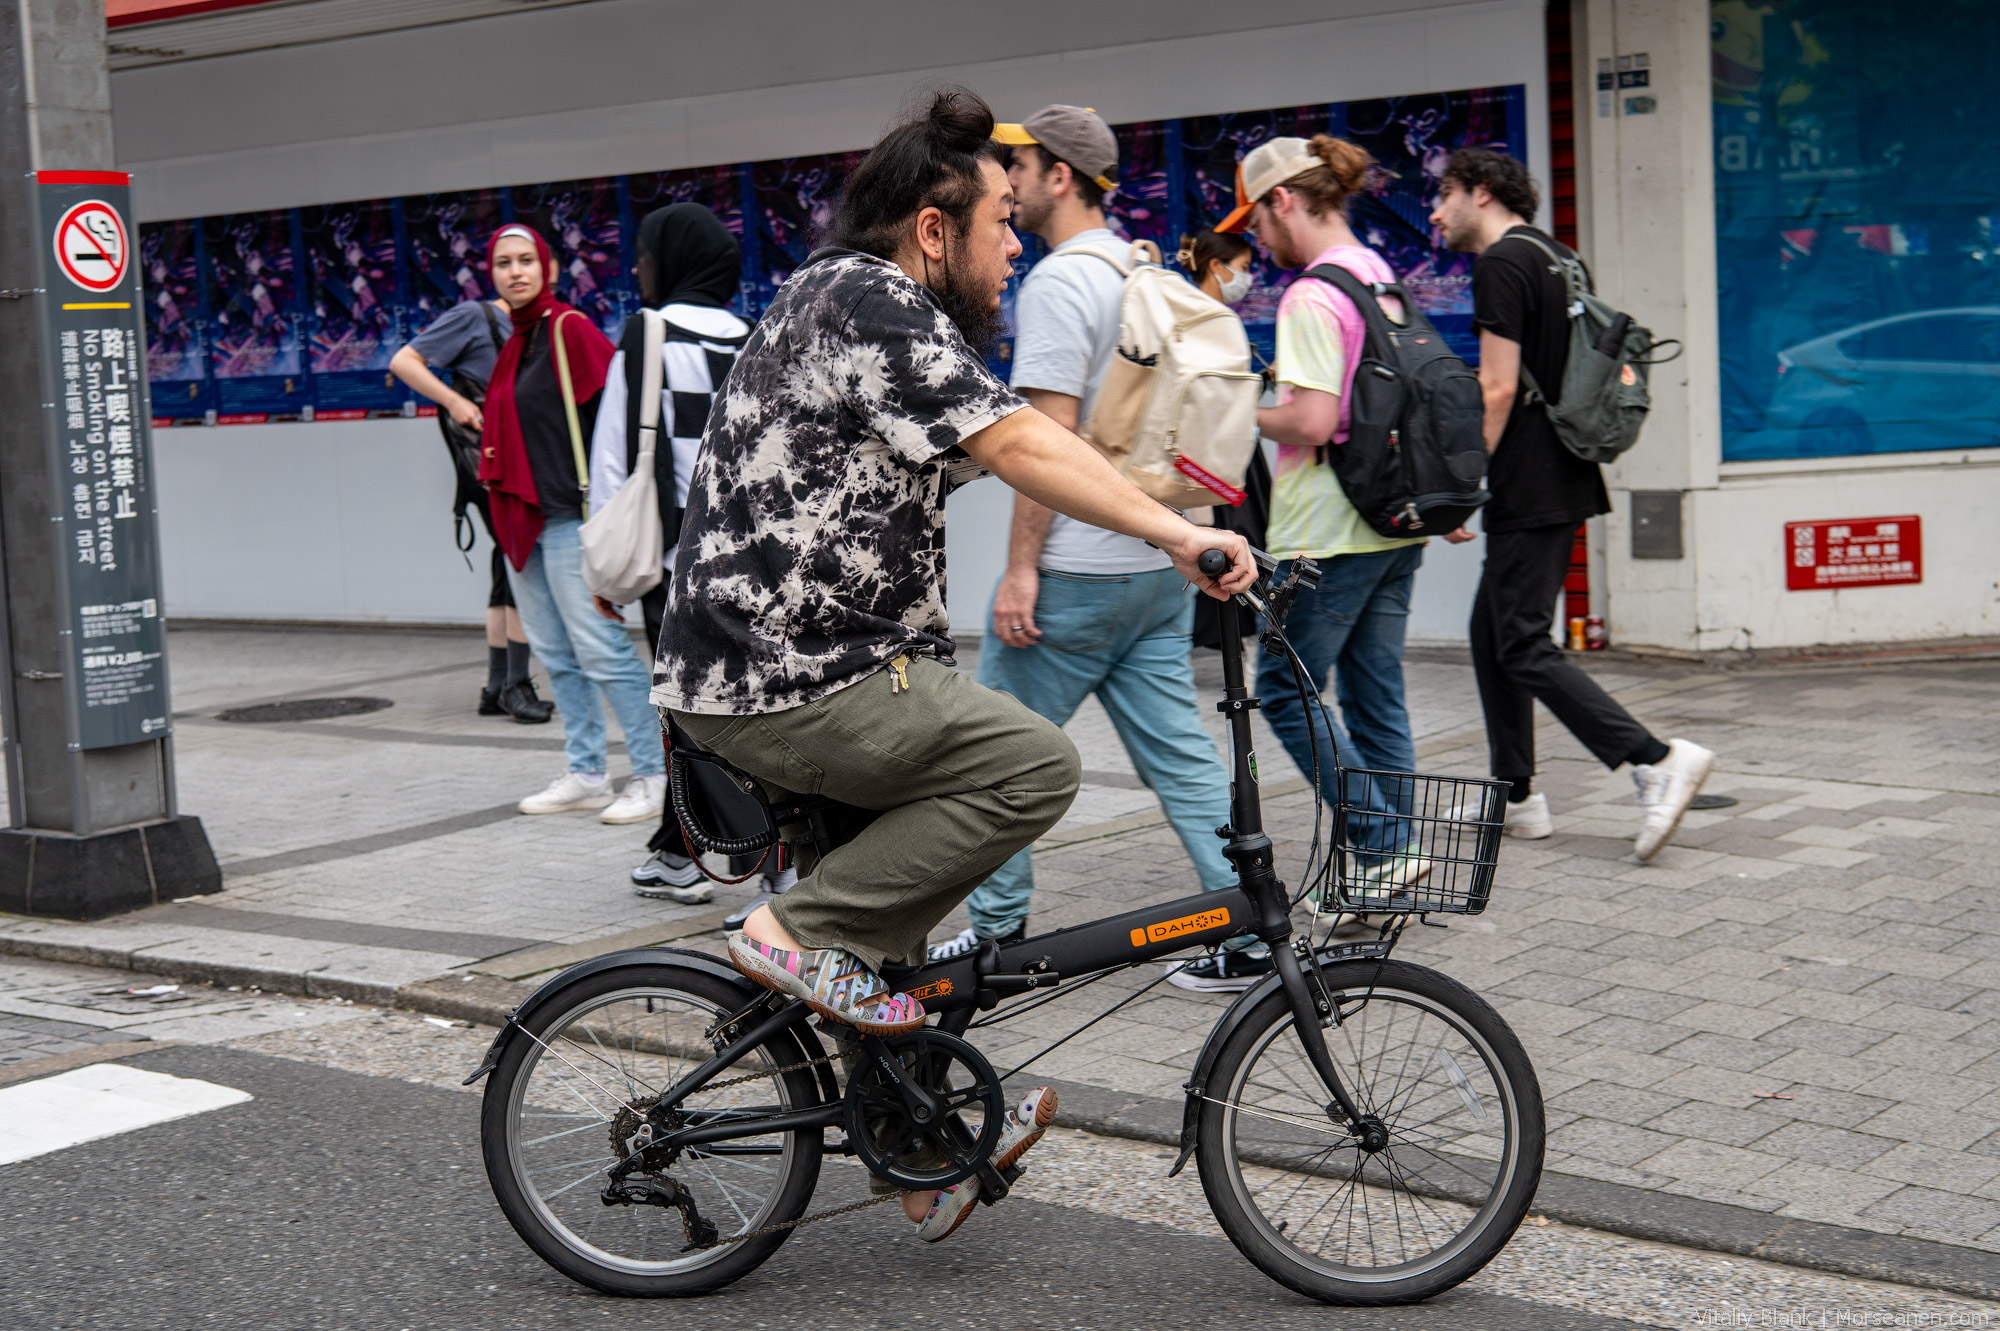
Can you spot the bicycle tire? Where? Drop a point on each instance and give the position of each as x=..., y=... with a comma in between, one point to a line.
x=1263, y=1140
x=553, y=1231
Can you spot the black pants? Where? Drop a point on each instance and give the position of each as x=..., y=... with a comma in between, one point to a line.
x=1516, y=664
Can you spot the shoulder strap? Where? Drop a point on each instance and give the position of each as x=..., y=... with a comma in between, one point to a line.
x=1575, y=280
x=493, y=325
x=569, y=409
x=1361, y=293
x=1124, y=263
x=649, y=380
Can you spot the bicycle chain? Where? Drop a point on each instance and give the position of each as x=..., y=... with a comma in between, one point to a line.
x=809, y=1219
x=802, y=1220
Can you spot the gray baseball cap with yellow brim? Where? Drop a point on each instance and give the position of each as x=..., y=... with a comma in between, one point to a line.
x=1076, y=134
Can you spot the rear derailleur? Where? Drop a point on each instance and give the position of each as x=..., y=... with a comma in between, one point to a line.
x=631, y=1134
x=664, y=1191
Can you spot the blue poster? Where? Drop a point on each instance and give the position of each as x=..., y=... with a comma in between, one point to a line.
x=716, y=188
x=444, y=240
x=353, y=330
x=176, y=353
x=253, y=298
x=1410, y=138
x=580, y=219
x=1857, y=265
x=796, y=199
x=1211, y=146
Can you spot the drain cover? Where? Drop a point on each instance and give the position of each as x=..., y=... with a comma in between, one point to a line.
x=304, y=709
x=1712, y=802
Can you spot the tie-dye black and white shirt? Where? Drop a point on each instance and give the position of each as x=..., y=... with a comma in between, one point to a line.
x=813, y=547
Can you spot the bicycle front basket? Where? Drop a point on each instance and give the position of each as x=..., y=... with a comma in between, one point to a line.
x=1410, y=844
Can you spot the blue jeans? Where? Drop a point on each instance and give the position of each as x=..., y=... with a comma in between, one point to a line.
x=1124, y=637
x=579, y=648
x=1353, y=625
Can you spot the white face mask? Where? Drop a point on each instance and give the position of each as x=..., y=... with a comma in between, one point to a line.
x=1235, y=287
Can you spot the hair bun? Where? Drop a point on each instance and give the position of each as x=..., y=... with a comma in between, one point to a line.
x=959, y=119
x=1349, y=162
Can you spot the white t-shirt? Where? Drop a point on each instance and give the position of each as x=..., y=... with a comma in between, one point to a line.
x=1066, y=320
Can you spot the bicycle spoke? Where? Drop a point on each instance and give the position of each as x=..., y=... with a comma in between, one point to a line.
x=1403, y=1206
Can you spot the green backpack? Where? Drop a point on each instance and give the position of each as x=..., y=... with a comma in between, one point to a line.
x=1603, y=400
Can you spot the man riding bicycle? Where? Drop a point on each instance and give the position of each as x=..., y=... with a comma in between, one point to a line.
x=805, y=639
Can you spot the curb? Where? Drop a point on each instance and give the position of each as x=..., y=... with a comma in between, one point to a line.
x=299, y=984
x=1611, y=1207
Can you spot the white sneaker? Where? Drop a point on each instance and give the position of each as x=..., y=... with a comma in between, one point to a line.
x=1665, y=790
x=643, y=800
x=1529, y=819
x=571, y=790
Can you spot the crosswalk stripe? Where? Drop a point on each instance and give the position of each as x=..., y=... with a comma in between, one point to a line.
x=103, y=1100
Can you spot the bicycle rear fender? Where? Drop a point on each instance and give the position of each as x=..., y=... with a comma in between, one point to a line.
x=713, y=967
x=1197, y=1082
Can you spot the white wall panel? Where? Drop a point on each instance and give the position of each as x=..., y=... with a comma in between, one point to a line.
x=350, y=520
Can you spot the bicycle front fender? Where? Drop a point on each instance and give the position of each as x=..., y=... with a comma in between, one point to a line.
x=1211, y=1049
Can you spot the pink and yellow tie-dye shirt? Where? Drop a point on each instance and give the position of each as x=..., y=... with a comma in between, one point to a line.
x=1319, y=340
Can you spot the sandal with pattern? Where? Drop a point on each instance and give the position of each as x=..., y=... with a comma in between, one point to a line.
x=1025, y=1125
x=833, y=982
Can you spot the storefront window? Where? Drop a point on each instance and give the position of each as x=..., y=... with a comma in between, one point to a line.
x=1856, y=206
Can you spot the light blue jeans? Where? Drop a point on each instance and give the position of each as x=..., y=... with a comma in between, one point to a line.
x=1351, y=625
x=579, y=648
x=1124, y=637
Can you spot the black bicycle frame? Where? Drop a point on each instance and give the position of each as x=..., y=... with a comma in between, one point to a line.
x=1256, y=905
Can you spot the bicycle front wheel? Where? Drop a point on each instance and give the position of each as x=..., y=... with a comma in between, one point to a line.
x=571, y=1092
x=1299, y=1195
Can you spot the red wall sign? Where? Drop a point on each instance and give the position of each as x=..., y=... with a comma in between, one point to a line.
x=1853, y=552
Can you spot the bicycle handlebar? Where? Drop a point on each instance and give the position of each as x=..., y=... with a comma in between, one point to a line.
x=1212, y=563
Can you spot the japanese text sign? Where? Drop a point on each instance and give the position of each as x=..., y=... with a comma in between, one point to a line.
x=1853, y=552
x=102, y=501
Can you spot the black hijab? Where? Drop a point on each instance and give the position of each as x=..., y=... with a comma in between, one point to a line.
x=696, y=260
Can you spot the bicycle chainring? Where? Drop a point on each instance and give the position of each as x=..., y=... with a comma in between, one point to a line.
x=931, y=1145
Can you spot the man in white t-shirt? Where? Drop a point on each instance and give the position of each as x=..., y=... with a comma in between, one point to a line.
x=1082, y=610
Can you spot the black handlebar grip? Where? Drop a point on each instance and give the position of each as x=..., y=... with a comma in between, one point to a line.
x=1213, y=563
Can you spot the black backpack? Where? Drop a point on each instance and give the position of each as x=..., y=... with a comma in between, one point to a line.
x=463, y=444
x=1414, y=463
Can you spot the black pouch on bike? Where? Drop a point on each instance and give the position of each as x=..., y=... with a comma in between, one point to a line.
x=720, y=808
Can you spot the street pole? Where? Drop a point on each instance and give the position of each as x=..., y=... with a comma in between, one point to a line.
x=92, y=823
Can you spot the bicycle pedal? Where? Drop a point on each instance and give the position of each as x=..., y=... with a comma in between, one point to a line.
x=993, y=1183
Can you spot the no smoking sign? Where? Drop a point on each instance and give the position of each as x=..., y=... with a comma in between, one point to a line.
x=91, y=246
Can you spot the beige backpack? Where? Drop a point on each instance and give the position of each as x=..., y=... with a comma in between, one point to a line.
x=1177, y=411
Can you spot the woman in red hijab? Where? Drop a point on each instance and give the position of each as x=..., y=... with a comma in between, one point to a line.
x=540, y=409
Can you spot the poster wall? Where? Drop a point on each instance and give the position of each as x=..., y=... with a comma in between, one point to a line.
x=294, y=314
x=1857, y=227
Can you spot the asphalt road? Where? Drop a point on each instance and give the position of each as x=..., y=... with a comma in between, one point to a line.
x=334, y=1200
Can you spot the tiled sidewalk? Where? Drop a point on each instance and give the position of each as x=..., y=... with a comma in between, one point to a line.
x=1834, y=939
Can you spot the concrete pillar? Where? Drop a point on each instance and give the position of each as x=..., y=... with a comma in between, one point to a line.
x=1646, y=212
x=93, y=826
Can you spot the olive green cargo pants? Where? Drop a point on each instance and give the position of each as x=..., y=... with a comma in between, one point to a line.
x=960, y=775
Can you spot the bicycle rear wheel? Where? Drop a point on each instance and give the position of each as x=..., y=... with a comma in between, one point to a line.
x=1301, y=1198
x=562, y=1107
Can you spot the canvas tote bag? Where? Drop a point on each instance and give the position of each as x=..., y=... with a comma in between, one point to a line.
x=623, y=545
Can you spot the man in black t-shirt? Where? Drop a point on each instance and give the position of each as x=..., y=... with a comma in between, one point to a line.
x=1541, y=492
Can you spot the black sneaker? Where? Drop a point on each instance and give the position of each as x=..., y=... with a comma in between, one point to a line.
x=489, y=703
x=1224, y=972
x=968, y=942
x=521, y=702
